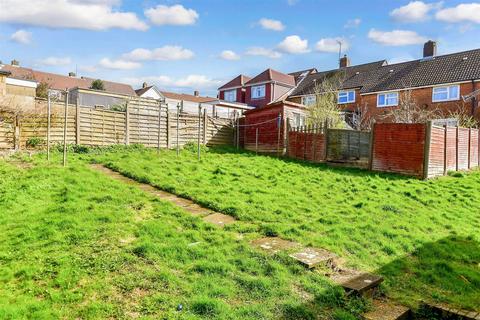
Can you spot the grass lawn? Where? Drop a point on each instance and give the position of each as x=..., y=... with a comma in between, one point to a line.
x=423, y=236
x=75, y=244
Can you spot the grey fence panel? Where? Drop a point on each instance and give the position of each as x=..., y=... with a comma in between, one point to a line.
x=348, y=145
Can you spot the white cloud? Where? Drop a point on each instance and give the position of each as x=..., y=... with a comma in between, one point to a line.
x=293, y=44
x=465, y=12
x=197, y=81
x=92, y=15
x=159, y=81
x=396, y=37
x=353, y=23
x=229, y=55
x=193, y=81
x=118, y=64
x=21, y=36
x=260, y=51
x=164, y=53
x=414, y=11
x=331, y=45
x=271, y=24
x=56, y=61
x=292, y=2
x=176, y=15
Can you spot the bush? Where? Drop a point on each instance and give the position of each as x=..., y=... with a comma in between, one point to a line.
x=34, y=142
x=193, y=147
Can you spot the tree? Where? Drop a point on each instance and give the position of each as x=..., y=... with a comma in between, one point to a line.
x=97, y=85
x=325, y=107
x=42, y=90
x=463, y=117
x=362, y=119
x=409, y=111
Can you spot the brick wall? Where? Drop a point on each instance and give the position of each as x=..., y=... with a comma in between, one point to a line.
x=398, y=148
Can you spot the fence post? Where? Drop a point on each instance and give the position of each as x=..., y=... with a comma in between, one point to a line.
x=256, y=140
x=314, y=142
x=16, y=141
x=199, y=128
x=372, y=142
x=49, y=111
x=456, y=150
x=65, y=130
x=168, y=128
x=326, y=139
x=77, y=122
x=469, y=146
x=445, y=148
x=159, y=125
x=426, y=153
x=287, y=138
x=305, y=135
x=205, y=126
x=127, y=124
x=278, y=134
x=178, y=128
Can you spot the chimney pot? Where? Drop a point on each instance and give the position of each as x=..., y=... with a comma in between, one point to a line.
x=430, y=49
x=15, y=62
x=144, y=85
x=72, y=74
x=344, y=62
x=196, y=93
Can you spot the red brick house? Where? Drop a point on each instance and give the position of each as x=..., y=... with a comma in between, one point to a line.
x=435, y=82
x=234, y=90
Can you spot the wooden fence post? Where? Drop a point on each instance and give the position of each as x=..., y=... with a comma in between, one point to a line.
x=77, y=122
x=256, y=140
x=278, y=134
x=426, y=153
x=49, y=111
x=159, y=126
x=445, y=149
x=456, y=150
x=178, y=129
x=168, y=128
x=372, y=142
x=65, y=130
x=127, y=124
x=205, y=126
x=199, y=128
x=326, y=139
x=16, y=137
x=314, y=142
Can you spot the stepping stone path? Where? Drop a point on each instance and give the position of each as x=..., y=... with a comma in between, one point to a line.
x=352, y=281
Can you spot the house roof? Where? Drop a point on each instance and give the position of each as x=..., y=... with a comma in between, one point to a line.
x=299, y=75
x=186, y=97
x=141, y=91
x=272, y=75
x=450, y=68
x=5, y=73
x=238, y=81
x=60, y=82
x=352, y=77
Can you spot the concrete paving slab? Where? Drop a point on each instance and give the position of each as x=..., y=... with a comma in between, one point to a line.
x=312, y=257
x=357, y=281
x=384, y=310
x=219, y=219
x=274, y=244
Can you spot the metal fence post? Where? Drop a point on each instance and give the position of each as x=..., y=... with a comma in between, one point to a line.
x=199, y=128
x=159, y=125
x=178, y=131
x=77, y=122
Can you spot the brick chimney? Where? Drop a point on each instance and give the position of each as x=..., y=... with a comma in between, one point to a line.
x=144, y=85
x=429, y=49
x=15, y=63
x=344, y=62
x=196, y=93
x=72, y=74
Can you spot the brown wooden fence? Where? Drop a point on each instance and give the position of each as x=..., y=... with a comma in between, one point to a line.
x=145, y=121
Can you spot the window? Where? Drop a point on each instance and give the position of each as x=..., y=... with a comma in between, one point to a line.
x=230, y=95
x=298, y=120
x=309, y=100
x=258, y=92
x=387, y=99
x=448, y=93
x=346, y=96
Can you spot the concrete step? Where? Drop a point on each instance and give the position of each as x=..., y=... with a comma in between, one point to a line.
x=443, y=311
x=385, y=310
x=356, y=281
x=312, y=257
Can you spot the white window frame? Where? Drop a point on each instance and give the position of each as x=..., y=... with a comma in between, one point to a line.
x=347, y=93
x=233, y=92
x=309, y=100
x=261, y=89
x=299, y=119
x=386, y=94
x=447, y=88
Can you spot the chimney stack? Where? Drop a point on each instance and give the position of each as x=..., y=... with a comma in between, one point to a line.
x=144, y=85
x=196, y=93
x=15, y=63
x=344, y=62
x=72, y=74
x=429, y=49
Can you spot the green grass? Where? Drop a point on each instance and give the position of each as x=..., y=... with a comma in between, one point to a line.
x=75, y=244
x=423, y=236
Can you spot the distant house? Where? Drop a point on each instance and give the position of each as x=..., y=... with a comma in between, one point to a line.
x=190, y=103
x=22, y=91
x=79, y=87
x=234, y=90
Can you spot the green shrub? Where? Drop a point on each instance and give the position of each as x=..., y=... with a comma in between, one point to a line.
x=192, y=146
x=34, y=142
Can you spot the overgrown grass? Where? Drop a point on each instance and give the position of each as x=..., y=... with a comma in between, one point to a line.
x=75, y=244
x=423, y=236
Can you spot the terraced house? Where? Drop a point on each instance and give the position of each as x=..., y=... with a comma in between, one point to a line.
x=444, y=83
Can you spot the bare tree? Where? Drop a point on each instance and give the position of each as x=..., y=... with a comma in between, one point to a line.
x=464, y=118
x=409, y=111
x=325, y=108
x=362, y=119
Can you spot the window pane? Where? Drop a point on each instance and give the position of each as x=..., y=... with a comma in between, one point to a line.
x=381, y=99
x=351, y=96
x=454, y=94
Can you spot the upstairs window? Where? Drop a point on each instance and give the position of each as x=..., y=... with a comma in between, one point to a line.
x=447, y=93
x=258, y=92
x=309, y=100
x=346, y=96
x=387, y=99
x=230, y=95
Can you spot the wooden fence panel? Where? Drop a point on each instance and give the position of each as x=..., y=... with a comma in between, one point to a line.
x=7, y=131
x=436, y=163
x=462, y=148
x=35, y=126
x=219, y=131
x=474, y=152
x=101, y=127
x=348, y=145
x=144, y=124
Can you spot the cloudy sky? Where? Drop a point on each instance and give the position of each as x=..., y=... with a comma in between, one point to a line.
x=187, y=45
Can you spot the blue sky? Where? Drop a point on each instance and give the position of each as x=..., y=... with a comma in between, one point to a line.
x=201, y=44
